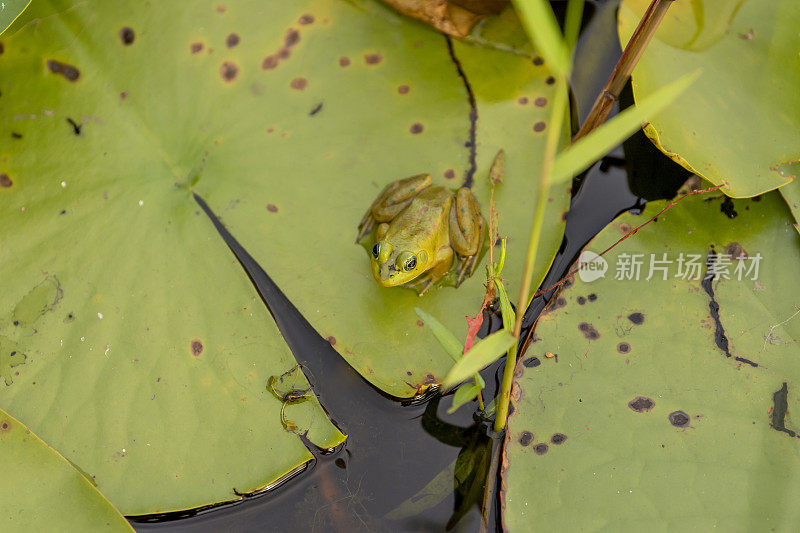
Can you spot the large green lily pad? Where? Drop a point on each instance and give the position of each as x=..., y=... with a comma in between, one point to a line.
x=131, y=339
x=41, y=491
x=739, y=123
x=643, y=421
x=392, y=105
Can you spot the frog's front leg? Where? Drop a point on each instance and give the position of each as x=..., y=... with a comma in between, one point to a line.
x=391, y=201
x=467, y=231
x=441, y=266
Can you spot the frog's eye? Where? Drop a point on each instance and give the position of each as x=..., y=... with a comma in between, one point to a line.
x=376, y=250
x=406, y=261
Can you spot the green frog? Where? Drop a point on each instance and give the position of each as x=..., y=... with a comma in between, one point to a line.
x=422, y=229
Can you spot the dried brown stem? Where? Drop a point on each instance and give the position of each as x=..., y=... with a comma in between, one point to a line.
x=622, y=71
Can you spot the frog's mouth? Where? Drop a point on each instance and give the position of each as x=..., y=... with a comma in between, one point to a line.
x=387, y=274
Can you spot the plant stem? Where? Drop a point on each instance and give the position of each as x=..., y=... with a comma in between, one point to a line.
x=550, y=148
x=622, y=71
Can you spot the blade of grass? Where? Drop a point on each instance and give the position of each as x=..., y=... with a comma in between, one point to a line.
x=584, y=152
x=445, y=337
x=542, y=27
x=464, y=394
x=484, y=353
x=572, y=23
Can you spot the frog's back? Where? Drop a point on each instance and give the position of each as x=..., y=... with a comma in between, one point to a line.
x=426, y=216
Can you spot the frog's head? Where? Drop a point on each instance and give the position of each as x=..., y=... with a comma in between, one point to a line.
x=392, y=266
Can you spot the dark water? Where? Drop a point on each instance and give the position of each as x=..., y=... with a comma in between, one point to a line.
x=393, y=449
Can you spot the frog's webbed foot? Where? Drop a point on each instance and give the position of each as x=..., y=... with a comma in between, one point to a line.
x=466, y=266
x=421, y=284
x=467, y=232
x=391, y=201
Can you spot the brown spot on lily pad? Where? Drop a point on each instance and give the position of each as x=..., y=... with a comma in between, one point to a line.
x=636, y=318
x=641, y=404
x=625, y=228
x=196, y=48
x=735, y=251
x=292, y=38
x=373, y=59
x=232, y=40
x=420, y=323
x=623, y=347
x=416, y=128
x=403, y=89
x=299, y=83
x=589, y=331
x=449, y=173
x=522, y=100
x=306, y=19
x=5, y=181
x=539, y=126
x=331, y=339
x=127, y=36
x=270, y=62
x=679, y=419
x=558, y=438
x=525, y=438
x=531, y=362
x=344, y=61
x=272, y=208
x=229, y=70
x=538, y=61
x=540, y=102
x=4, y=426
x=541, y=448
x=68, y=71
x=550, y=80
x=197, y=347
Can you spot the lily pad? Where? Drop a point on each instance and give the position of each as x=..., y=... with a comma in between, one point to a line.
x=132, y=340
x=393, y=104
x=791, y=193
x=736, y=124
x=9, y=11
x=141, y=350
x=41, y=491
x=669, y=402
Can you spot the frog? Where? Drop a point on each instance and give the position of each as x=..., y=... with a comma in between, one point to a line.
x=422, y=230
